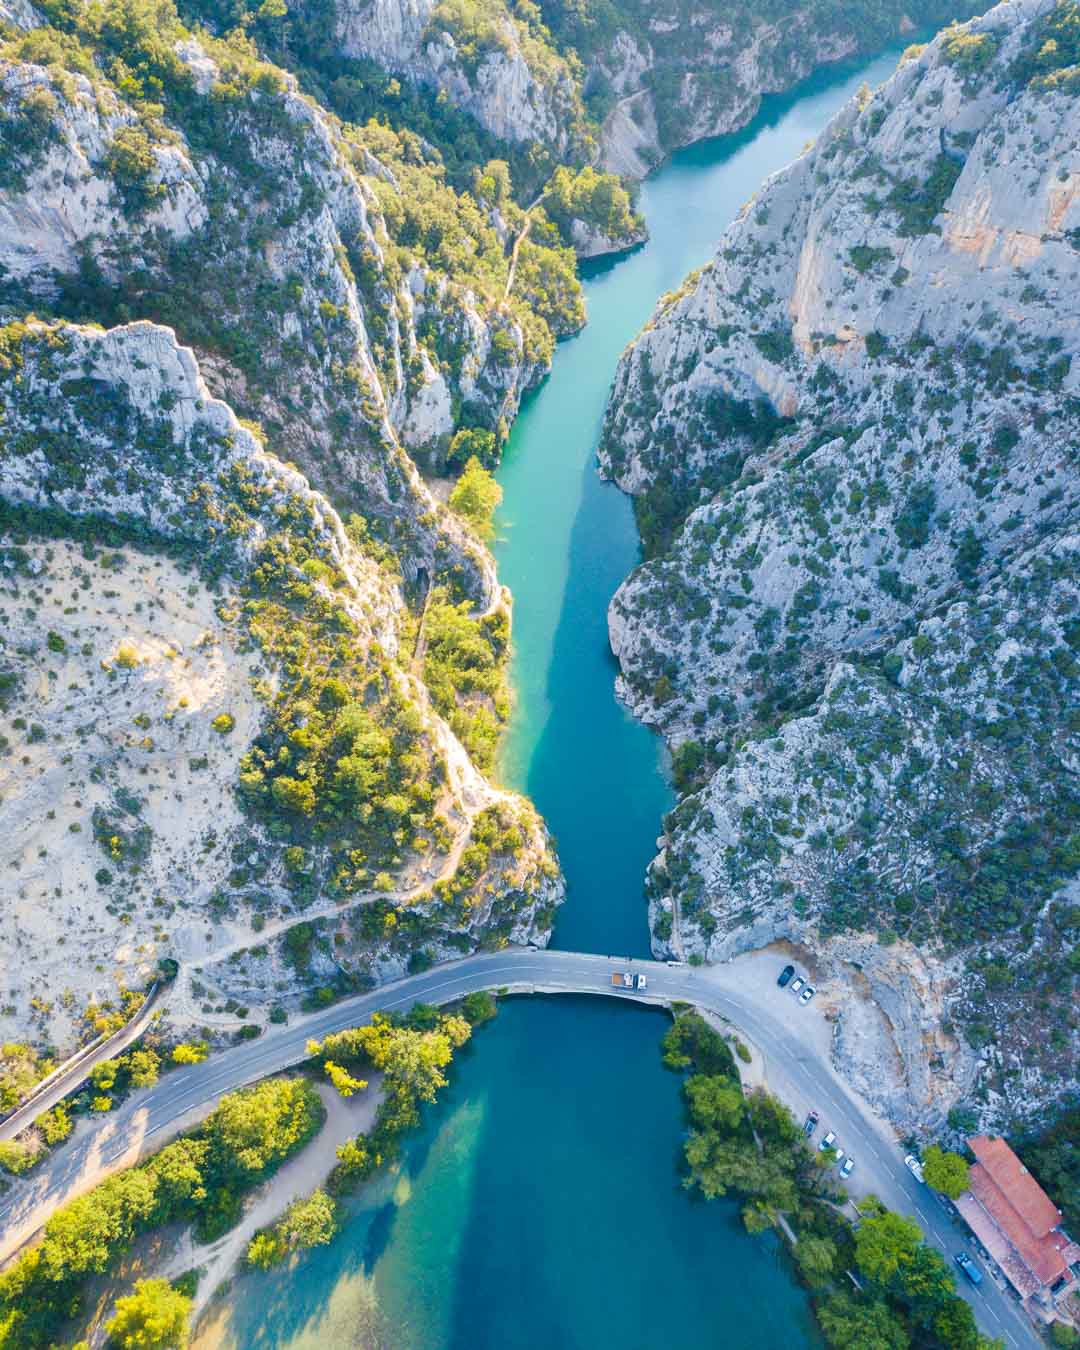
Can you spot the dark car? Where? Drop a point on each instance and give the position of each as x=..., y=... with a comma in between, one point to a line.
x=970, y=1269
x=811, y=1124
x=785, y=975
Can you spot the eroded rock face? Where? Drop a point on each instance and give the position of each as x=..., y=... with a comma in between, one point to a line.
x=682, y=72
x=186, y=619
x=326, y=340
x=856, y=431
x=514, y=92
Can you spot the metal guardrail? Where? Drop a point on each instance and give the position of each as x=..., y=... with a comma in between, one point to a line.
x=31, y=1106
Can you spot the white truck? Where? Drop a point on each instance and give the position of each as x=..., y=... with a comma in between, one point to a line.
x=623, y=979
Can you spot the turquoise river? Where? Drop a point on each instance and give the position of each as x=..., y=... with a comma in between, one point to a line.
x=540, y=1208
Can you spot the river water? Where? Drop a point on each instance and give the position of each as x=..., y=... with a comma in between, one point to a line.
x=539, y=1208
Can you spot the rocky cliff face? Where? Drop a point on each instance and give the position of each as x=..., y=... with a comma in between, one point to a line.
x=670, y=74
x=249, y=220
x=490, y=61
x=216, y=744
x=687, y=72
x=217, y=741
x=856, y=431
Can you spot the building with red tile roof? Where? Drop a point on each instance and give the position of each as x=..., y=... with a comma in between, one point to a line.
x=1017, y=1222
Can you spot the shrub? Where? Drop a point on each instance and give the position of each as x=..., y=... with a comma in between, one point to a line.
x=190, y=1052
x=153, y=1317
x=131, y=163
x=475, y=497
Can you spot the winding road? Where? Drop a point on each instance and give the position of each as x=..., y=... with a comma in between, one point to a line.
x=790, y=1039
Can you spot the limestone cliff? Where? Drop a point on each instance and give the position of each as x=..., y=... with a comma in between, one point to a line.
x=273, y=239
x=226, y=736
x=491, y=61
x=216, y=745
x=855, y=433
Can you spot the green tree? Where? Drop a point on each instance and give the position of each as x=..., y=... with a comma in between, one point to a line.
x=55, y=1125
x=310, y=1222
x=927, y=1282
x=154, y=1317
x=715, y=1102
x=815, y=1256
x=357, y=1159
x=479, y=1007
x=343, y=1080
x=190, y=1052
x=255, y=1129
x=852, y=1323
x=472, y=443
x=15, y=1157
x=944, y=1171
x=82, y=1238
x=954, y=1326
x=475, y=497
x=143, y=1065
x=884, y=1243
x=267, y=1248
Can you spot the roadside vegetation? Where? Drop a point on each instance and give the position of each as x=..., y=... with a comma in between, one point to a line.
x=203, y=1177
x=749, y=1146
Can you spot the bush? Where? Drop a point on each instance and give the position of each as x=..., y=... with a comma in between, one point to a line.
x=131, y=163
x=154, y=1317
x=475, y=497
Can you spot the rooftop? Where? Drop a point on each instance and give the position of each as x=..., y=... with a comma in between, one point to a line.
x=1007, y=1193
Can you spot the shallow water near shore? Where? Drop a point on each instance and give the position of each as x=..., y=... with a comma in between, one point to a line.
x=540, y=1206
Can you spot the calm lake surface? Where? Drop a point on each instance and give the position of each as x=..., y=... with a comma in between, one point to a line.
x=539, y=1208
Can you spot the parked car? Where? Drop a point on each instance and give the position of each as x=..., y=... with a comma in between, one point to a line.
x=796, y=984
x=785, y=975
x=829, y=1141
x=970, y=1269
x=840, y=1156
x=807, y=994
x=848, y=1167
x=811, y=1124
x=642, y=981
x=914, y=1166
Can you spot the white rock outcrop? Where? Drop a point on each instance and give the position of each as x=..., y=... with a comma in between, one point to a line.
x=854, y=437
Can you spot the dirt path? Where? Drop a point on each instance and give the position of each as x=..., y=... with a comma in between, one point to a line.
x=523, y=234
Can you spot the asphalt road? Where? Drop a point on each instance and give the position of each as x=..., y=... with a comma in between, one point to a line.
x=115, y=1141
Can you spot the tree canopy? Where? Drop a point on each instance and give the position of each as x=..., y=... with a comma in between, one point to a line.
x=153, y=1317
x=946, y=1172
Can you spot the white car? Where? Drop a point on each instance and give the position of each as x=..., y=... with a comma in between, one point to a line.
x=829, y=1141
x=642, y=982
x=796, y=984
x=840, y=1156
x=807, y=994
x=914, y=1166
x=849, y=1164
